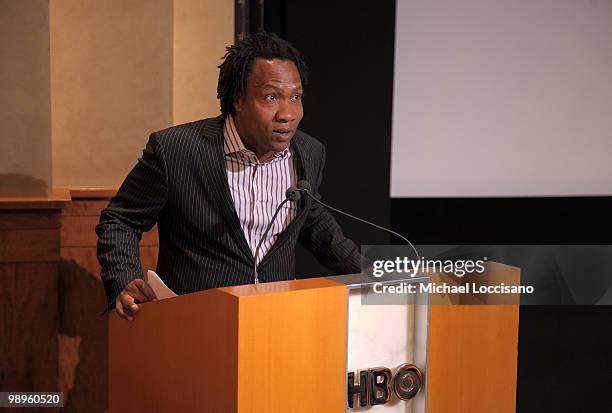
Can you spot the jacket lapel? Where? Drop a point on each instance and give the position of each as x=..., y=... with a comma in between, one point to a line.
x=304, y=157
x=215, y=172
x=303, y=164
x=302, y=160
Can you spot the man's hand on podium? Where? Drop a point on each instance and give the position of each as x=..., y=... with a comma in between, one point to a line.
x=137, y=291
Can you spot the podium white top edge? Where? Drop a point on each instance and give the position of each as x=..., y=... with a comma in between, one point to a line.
x=363, y=280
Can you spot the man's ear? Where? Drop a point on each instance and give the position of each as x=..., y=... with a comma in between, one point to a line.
x=238, y=104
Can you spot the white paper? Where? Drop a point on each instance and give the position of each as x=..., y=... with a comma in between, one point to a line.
x=160, y=289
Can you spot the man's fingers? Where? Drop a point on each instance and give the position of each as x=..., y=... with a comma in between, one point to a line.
x=119, y=308
x=136, y=291
x=129, y=306
x=147, y=291
x=133, y=290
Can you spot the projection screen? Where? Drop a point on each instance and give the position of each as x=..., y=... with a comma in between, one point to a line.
x=502, y=98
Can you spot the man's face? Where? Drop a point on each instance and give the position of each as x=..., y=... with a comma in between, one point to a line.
x=270, y=111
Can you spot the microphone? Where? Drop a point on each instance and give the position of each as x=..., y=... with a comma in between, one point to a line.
x=292, y=194
x=304, y=186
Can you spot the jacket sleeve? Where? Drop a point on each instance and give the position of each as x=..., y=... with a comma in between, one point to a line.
x=134, y=210
x=322, y=236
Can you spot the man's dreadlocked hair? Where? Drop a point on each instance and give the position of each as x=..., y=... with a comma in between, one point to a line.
x=239, y=59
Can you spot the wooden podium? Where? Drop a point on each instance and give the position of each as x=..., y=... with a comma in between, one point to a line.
x=282, y=347
x=277, y=347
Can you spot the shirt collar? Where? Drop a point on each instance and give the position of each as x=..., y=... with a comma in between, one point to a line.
x=233, y=143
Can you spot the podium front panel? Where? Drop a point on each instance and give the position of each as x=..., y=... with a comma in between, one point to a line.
x=385, y=335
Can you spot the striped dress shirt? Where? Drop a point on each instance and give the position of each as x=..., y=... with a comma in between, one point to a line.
x=257, y=188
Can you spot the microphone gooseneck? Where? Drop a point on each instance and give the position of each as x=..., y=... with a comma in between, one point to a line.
x=292, y=194
x=304, y=186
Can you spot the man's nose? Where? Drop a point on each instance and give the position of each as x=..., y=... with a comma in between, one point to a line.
x=285, y=112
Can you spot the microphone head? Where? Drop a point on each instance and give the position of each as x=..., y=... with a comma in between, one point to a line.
x=293, y=194
x=304, y=185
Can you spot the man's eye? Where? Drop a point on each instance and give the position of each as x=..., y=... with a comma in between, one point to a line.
x=270, y=98
x=297, y=97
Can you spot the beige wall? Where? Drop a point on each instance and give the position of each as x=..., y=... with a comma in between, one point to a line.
x=121, y=69
x=111, y=84
x=25, y=141
x=202, y=29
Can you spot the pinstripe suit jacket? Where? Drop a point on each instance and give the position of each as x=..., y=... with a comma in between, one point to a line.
x=180, y=184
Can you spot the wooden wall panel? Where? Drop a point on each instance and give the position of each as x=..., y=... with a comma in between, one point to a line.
x=29, y=317
x=28, y=327
x=79, y=231
x=29, y=245
x=19, y=220
x=83, y=339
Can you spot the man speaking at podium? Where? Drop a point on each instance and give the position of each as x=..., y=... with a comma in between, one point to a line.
x=212, y=187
